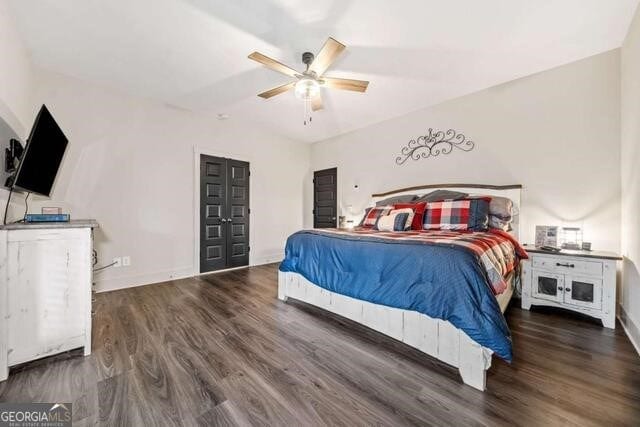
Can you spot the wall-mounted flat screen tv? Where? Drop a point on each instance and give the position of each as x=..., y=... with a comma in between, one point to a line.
x=42, y=155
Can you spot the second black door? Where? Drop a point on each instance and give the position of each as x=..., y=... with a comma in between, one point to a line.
x=224, y=213
x=325, y=198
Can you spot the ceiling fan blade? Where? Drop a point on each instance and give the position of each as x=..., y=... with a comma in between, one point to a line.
x=316, y=103
x=346, y=84
x=273, y=64
x=277, y=90
x=329, y=52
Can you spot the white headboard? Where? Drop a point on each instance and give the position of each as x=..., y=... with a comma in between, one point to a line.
x=513, y=192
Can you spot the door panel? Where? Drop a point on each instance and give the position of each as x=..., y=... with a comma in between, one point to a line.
x=325, y=211
x=238, y=213
x=213, y=205
x=215, y=190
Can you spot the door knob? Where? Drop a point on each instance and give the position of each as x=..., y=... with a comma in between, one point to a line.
x=230, y=220
x=224, y=220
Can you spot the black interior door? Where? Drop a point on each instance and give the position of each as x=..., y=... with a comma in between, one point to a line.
x=325, y=209
x=224, y=213
x=213, y=210
x=238, y=218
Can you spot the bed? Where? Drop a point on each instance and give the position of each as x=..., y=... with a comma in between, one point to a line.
x=441, y=292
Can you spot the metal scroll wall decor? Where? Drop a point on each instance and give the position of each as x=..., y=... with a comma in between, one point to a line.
x=433, y=144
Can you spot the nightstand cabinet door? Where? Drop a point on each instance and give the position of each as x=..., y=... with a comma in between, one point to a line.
x=583, y=291
x=549, y=286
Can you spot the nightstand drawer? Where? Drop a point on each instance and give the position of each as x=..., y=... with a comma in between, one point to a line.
x=569, y=265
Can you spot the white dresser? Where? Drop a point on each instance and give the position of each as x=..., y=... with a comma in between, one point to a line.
x=582, y=281
x=45, y=290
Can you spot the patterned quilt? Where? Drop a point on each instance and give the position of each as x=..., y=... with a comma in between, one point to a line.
x=497, y=250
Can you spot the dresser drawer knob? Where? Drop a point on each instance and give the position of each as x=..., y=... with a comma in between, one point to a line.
x=567, y=289
x=559, y=264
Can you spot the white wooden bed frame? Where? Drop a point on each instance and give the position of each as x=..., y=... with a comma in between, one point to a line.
x=435, y=337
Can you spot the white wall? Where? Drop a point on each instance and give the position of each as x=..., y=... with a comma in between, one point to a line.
x=556, y=133
x=15, y=89
x=630, y=175
x=15, y=75
x=130, y=165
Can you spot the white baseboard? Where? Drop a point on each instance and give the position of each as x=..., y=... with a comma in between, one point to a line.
x=115, y=283
x=632, y=330
x=268, y=258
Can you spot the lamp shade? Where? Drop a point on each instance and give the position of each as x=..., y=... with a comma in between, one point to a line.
x=307, y=88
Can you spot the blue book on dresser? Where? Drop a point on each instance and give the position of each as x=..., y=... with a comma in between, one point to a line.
x=46, y=218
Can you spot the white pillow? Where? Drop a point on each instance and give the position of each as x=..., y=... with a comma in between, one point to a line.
x=386, y=222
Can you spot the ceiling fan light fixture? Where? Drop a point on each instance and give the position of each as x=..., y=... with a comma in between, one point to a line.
x=307, y=88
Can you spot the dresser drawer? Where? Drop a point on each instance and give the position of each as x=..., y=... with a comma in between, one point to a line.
x=568, y=265
x=49, y=234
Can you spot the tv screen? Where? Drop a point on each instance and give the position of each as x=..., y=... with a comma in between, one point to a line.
x=42, y=155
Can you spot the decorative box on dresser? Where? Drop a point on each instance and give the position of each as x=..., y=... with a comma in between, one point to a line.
x=45, y=290
x=582, y=281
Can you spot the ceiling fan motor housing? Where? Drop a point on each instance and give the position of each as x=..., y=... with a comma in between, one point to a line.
x=307, y=58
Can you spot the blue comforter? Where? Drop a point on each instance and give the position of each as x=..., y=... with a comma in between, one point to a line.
x=441, y=281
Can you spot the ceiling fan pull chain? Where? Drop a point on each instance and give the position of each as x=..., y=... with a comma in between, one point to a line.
x=307, y=111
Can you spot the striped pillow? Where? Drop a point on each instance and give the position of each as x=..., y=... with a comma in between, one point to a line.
x=466, y=214
x=366, y=212
x=418, y=213
x=393, y=222
x=371, y=217
x=410, y=214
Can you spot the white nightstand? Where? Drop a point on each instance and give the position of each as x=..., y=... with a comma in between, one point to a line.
x=582, y=281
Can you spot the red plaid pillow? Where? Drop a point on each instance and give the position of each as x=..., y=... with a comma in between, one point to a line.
x=418, y=213
x=371, y=217
x=466, y=214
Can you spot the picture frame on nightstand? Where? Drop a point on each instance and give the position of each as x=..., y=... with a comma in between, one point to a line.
x=546, y=235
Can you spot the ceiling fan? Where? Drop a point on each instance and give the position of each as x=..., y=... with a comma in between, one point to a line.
x=308, y=83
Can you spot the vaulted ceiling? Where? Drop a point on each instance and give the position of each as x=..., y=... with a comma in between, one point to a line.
x=193, y=53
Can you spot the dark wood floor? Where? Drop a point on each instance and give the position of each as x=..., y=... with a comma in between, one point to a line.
x=222, y=350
